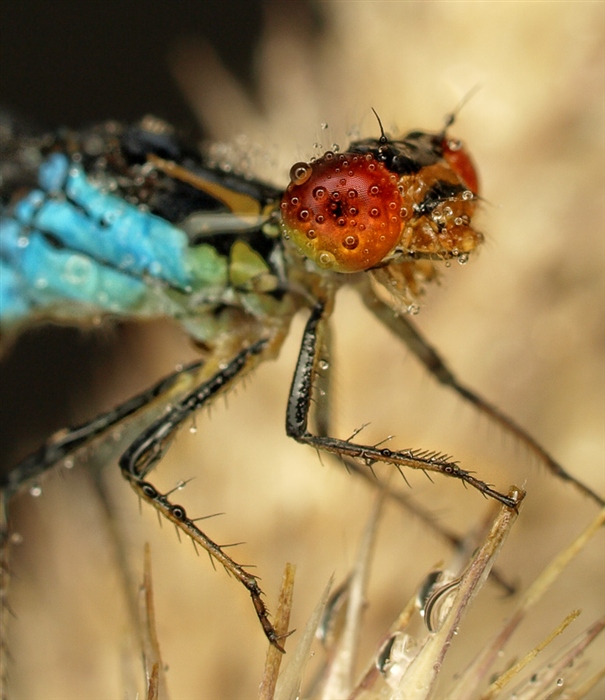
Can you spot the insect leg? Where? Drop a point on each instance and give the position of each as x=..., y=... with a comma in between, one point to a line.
x=322, y=384
x=297, y=416
x=322, y=417
x=60, y=447
x=150, y=446
x=406, y=331
x=66, y=442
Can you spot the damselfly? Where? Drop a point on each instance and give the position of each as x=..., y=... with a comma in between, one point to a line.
x=130, y=222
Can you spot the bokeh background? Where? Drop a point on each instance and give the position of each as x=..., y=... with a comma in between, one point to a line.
x=522, y=323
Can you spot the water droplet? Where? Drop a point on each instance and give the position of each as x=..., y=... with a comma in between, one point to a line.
x=324, y=125
x=324, y=364
x=325, y=259
x=300, y=173
x=35, y=491
x=68, y=463
x=350, y=242
x=463, y=258
x=559, y=682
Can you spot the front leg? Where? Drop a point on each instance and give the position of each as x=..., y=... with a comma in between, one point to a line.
x=403, y=328
x=147, y=450
x=297, y=416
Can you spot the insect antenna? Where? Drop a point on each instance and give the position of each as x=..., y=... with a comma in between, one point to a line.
x=453, y=115
x=383, y=136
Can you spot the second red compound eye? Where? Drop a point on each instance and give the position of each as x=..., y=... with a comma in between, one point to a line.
x=343, y=211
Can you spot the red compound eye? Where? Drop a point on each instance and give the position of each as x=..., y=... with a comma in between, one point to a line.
x=457, y=157
x=343, y=211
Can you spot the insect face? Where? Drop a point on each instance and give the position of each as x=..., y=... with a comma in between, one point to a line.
x=354, y=211
x=442, y=207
